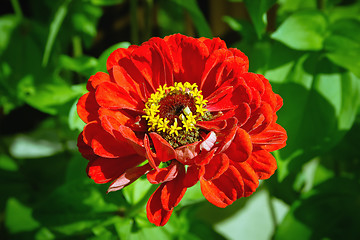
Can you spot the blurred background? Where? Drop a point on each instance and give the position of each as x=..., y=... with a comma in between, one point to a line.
x=308, y=49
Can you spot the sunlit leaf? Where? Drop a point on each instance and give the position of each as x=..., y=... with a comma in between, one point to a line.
x=84, y=65
x=135, y=192
x=54, y=30
x=18, y=217
x=106, y=2
x=320, y=104
x=257, y=10
x=7, y=24
x=343, y=44
x=7, y=163
x=50, y=97
x=303, y=30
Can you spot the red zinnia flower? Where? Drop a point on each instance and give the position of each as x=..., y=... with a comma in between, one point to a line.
x=180, y=110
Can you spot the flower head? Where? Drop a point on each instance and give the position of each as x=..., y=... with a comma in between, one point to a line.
x=190, y=103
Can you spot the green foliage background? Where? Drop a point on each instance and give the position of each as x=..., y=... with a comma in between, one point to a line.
x=308, y=49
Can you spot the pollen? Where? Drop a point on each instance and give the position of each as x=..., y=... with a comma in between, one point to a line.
x=172, y=111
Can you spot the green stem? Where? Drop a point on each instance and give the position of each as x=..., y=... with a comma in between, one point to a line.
x=272, y=209
x=134, y=22
x=77, y=46
x=17, y=9
x=134, y=210
x=320, y=4
x=148, y=18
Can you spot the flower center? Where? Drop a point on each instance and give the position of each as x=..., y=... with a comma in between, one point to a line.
x=173, y=112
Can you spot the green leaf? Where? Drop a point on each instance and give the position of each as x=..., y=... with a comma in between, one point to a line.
x=54, y=30
x=136, y=191
x=257, y=10
x=303, y=30
x=84, y=65
x=101, y=66
x=193, y=195
x=170, y=18
x=44, y=234
x=50, y=97
x=320, y=104
x=7, y=25
x=75, y=207
x=41, y=144
x=343, y=44
x=106, y=2
x=83, y=18
x=348, y=11
x=244, y=28
x=18, y=217
x=330, y=211
x=7, y=163
x=197, y=16
x=296, y=5
x=74, y=121
x=20, y=66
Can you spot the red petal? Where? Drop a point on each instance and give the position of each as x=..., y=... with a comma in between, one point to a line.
x=241, y=146
x=117, y=55
x=208, y=142
x=263, y=163
x=103, y=170
x=121, y=78
x=122, y=133
x=254, y=81
x=234, y=66
x=154, y=209
x=151, y=157
x=96, y=79
x=164, y=151
x=213, y=44
x=249, y=179
x=173, y=191
x=242, y=113
x=279, y=102
x=216, y=167
x=85, y=150
x=128, y=177
x=185, y=154
x=189, y=56
x=222, y=191
x=220, y=99
x=212, y=71
x=110, y=95
x=241, y=59
x=204, y=157
x=103, y=143
x=163, y=174
x=154, y=60
x=269, y=96
x=125, y=117
x=193, y=174
x=271, y=139
x=87, y=107
x=259, y=119
x=215, y=125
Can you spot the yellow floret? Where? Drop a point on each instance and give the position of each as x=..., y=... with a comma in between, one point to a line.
x=175, y=128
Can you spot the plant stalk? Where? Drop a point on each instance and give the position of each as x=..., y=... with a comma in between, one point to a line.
x=17, y=9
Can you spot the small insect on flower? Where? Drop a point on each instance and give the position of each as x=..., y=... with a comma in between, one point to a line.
x=188, y=103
